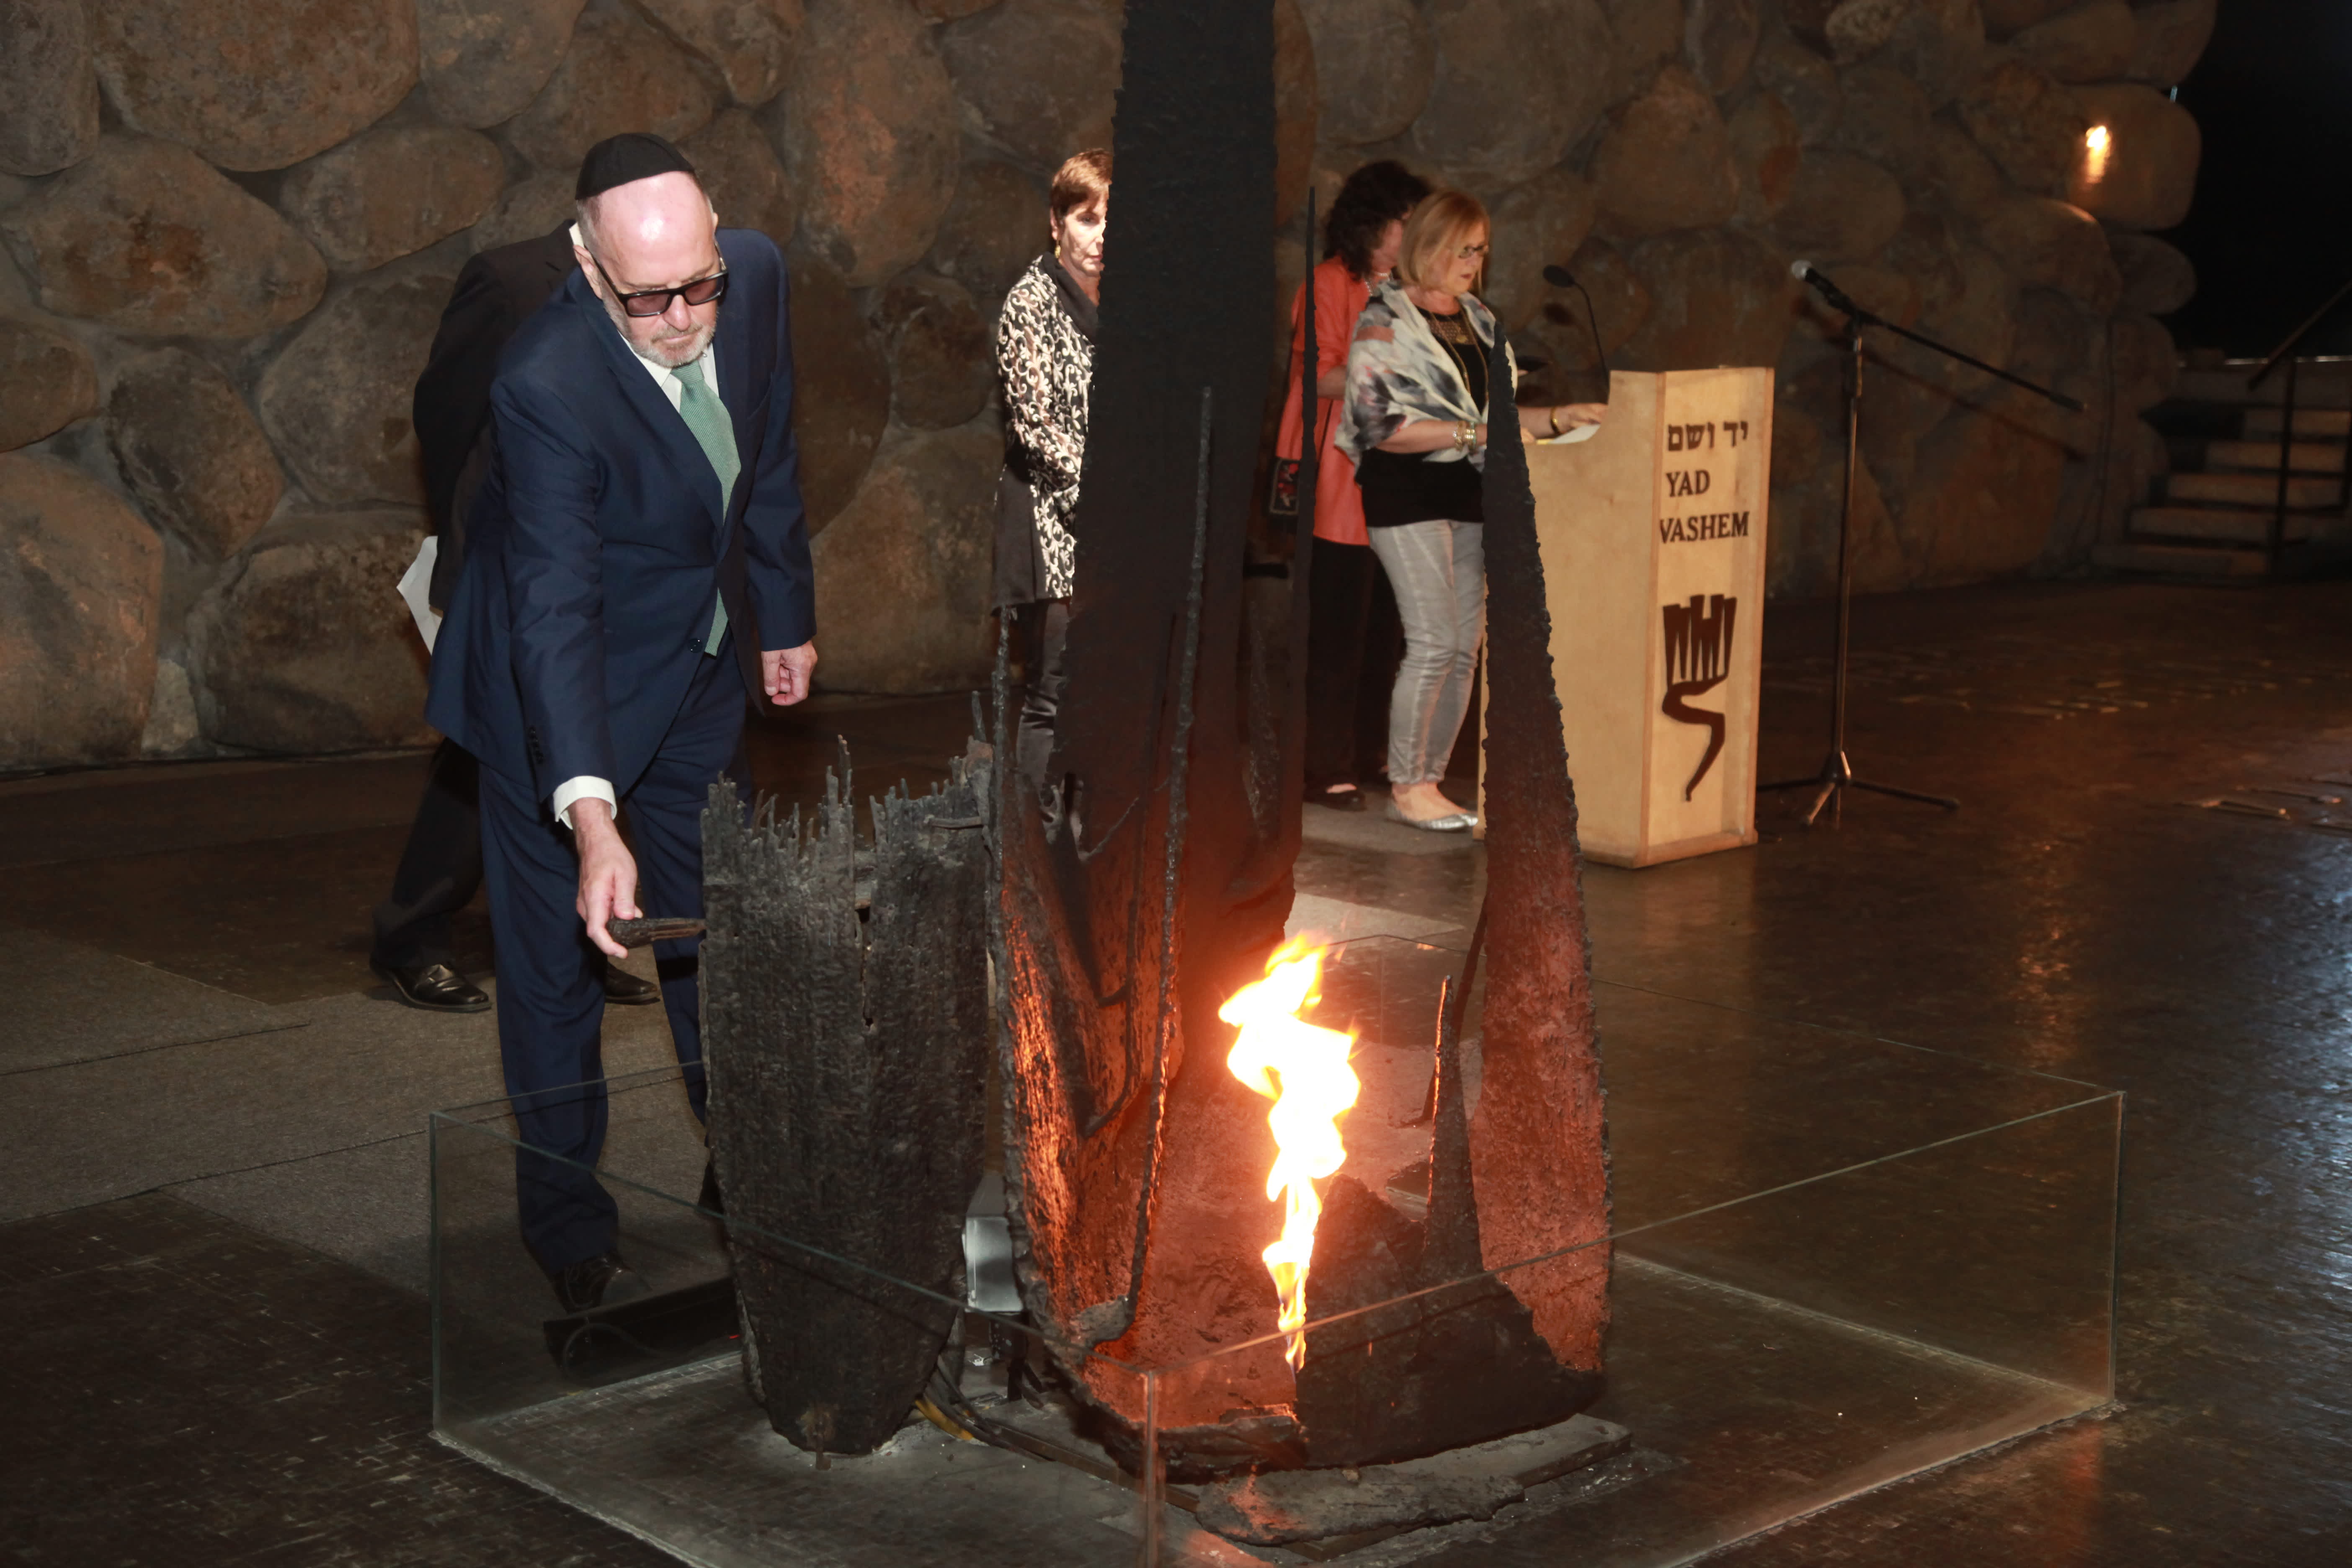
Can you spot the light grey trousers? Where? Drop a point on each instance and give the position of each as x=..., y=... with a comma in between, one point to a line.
x=1439, y=573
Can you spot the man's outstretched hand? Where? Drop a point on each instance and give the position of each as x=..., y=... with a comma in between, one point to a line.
x=785, y=671
x=608, y=873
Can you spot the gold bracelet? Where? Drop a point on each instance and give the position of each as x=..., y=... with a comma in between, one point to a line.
x=1554, y=417
x=1463, y=434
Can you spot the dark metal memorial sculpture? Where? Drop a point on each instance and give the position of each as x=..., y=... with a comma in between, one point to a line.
x=1160, y=885
x=1437, y=1355
x=1125, y=899
x=845, y=999
x=1160, y=881
x=1538, y=1148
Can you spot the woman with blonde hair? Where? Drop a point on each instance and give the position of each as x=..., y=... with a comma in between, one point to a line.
x=1416, y=427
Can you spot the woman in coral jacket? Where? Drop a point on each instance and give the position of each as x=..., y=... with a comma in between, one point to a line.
x=1353, y=637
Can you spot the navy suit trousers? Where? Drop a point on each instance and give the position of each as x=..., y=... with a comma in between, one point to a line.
x=550, y=993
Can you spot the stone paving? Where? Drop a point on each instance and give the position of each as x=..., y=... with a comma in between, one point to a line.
x=211, y=1173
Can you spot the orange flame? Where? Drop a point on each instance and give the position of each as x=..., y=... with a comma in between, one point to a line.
x=1303, y=1068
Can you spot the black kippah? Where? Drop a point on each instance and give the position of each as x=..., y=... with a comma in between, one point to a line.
x=621, y=159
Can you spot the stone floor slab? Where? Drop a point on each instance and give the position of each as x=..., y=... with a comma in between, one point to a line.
x=361, y=1071
x=2071, y=919
x=70, y=1003
x=184, y=1391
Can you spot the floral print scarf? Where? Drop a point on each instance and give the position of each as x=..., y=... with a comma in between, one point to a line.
x=1397, y=370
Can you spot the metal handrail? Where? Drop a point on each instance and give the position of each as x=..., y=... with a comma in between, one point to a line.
x=2274, y=540
x=2295, y=337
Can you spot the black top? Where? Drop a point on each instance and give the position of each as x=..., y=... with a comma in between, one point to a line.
x=1407, y=487
x=1403, y=487
x=1461, y=344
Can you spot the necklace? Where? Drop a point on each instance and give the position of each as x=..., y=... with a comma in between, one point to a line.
x=1451, y=330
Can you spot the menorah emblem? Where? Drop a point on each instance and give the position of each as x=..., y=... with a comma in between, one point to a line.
x=1698, y=657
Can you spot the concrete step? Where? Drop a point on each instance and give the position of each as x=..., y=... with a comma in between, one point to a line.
x=2253, y=490
x=2323, y=384
x=2309, y=423
x=2178, y=561
x=2217, y=525
x=2262, y=457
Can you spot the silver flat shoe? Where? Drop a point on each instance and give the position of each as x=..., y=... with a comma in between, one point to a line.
x=1453, y=822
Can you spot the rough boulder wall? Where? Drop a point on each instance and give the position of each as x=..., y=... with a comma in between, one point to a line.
x=1928, y=153
x=225, y=236
x=304, y=177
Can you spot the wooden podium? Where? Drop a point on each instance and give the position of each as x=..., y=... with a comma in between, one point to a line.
x=1652, y=537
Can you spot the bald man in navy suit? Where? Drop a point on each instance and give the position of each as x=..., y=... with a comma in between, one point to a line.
x=440, y=868
x=638, y=562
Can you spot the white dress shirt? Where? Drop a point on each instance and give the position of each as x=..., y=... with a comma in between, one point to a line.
x=588, y=785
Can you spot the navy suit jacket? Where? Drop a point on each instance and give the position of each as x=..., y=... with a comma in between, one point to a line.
x=599, y=540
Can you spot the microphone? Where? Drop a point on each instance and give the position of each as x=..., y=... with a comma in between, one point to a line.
x=1559, y=276
x=1806, y=272
x=1858, y=317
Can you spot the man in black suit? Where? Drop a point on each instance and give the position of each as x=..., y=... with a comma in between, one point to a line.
x=638, y=562
x=441, y=867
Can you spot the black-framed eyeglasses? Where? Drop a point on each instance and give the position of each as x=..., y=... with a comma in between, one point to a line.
x=654, y=301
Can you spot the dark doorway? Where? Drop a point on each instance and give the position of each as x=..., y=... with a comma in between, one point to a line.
x=2271, y=233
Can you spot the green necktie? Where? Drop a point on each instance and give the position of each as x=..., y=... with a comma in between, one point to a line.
x=707, y=417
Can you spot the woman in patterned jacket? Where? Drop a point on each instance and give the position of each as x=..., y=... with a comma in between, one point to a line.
x=1416, y=427
x=1045, y=356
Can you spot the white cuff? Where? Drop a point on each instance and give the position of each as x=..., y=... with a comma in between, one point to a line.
x=586, y=786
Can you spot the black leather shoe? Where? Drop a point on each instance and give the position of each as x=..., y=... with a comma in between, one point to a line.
x=603, y=1280
x=435, y=987
x=626, y=988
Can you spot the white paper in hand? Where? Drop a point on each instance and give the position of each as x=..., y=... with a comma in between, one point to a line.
x=415, y=590
x=1576, y=433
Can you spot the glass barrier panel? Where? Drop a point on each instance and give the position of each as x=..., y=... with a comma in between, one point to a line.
x=1832, y=1261
x=1761, y=1359
x=642, y=1412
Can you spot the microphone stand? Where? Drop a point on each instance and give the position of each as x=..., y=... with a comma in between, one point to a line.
x=1562, y=278
x=1837, y=776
